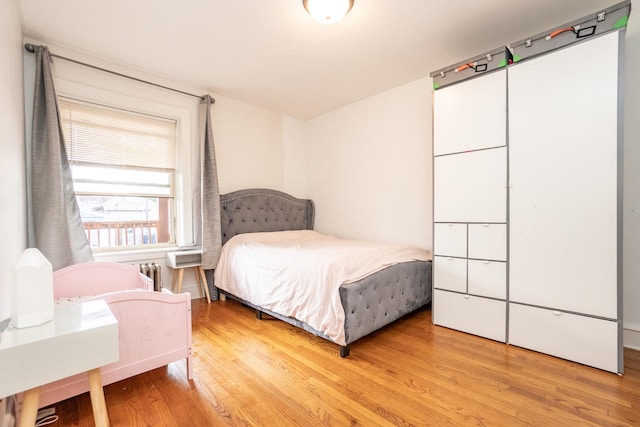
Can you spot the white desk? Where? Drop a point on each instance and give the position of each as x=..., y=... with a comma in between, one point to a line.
x=81, y=338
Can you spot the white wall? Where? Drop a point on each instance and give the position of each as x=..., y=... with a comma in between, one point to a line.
x=12, y=182
x=248, y=142
x=295, y=163
x=369, y=167
x=631, y=219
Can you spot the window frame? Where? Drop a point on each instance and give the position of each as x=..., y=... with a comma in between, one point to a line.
x=77, y=83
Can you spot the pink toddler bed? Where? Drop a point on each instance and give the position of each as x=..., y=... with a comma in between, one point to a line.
x=154, y=327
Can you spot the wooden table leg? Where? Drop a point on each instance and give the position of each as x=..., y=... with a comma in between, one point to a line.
x=174, y=279
x=98, y=404
x=30, y=408
x=180, y=275
x=198, y=280
x=203, y=279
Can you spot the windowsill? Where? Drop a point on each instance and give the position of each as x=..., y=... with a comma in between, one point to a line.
x=134, y=255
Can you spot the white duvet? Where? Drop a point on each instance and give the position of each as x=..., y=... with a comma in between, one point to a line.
x=298, y=273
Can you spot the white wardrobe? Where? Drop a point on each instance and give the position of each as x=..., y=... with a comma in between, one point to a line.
x=528, y=203
x=470, y=206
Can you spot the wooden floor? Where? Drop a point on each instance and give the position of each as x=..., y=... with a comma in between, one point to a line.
x=249, y=372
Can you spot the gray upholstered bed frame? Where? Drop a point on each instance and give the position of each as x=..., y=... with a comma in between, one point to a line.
x=369, y=304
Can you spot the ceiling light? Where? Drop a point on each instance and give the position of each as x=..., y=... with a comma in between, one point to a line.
x=328, y=11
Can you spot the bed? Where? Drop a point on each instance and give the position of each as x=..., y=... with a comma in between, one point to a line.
x=154, y=327
x=365, y=304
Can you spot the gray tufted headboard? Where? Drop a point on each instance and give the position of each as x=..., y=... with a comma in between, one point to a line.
x=258, y=209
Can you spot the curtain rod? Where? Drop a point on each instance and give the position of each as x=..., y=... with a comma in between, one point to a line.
x=31, y=48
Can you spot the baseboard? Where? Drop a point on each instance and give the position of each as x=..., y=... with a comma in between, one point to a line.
x=188, y=282
x=190, y=287
x=631, y=336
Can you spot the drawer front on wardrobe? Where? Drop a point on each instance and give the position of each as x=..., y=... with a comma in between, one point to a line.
x=488, y=241
x=474, y=315
x=586, y=340
x=450, y=239
x=450, y=273
x=487, y=278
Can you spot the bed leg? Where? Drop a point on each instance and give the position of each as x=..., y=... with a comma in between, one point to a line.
x=344, y=350
x=258, y=314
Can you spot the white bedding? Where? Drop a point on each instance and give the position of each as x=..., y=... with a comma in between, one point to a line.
x=298, y=273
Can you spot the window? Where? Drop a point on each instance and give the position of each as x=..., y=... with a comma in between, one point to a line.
x=123, y=166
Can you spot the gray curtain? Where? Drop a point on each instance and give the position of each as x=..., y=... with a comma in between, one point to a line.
x=57, y=228
x=211, y=239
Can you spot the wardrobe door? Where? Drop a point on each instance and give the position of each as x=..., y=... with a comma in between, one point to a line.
x=471, y=187
x=470, y=115
x=565, y=243
x=563, y=119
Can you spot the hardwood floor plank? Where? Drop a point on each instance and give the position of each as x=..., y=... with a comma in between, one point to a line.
x=250, y=372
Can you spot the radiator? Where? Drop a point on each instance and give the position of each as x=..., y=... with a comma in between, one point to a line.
x=153, y=271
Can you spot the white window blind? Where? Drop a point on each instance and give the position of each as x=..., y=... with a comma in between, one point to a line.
x=97, y=135
x=118, y=152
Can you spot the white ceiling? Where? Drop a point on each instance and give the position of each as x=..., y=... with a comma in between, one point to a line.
x=272, y=54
